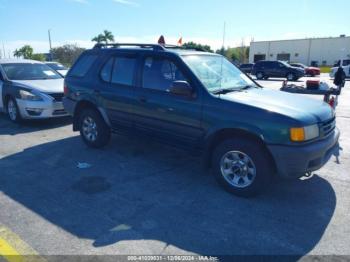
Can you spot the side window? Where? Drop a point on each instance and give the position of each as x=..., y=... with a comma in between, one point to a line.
x=83, y=65
x=160, y=73
x=106, y=71
x=123, y=70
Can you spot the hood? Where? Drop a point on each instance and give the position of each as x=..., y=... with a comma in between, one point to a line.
x=44, y=86
x=63, y=72
x=313, y=68
x=296, y=106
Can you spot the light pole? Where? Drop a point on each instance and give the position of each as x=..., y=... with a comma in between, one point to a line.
x=49, y=32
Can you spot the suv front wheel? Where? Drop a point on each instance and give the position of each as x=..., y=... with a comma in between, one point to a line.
x=260, y=75
x=93, y=129
x=242, y=167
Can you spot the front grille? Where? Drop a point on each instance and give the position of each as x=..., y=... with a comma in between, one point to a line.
x=57, y=96
x=328, y=126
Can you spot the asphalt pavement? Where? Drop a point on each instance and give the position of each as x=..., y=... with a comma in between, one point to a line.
x=140, y=197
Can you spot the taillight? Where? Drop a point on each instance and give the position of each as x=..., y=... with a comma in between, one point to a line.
x=65, y=89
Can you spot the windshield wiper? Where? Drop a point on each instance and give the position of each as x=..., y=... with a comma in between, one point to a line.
x=225, y=91
x=248, y=87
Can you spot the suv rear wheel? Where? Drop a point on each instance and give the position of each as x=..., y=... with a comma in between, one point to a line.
x=93, y=129
x=291, y=77
x=242, y=167
x=260, y=75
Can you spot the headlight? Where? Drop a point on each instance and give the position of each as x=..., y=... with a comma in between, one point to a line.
x=301, y=134
x=26, y=95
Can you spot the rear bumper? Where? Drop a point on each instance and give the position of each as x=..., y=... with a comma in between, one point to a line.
x=295, y=161
x=69, y=105
x=40, y=109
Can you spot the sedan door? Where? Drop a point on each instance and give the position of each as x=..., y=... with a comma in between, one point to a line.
x=165, y=116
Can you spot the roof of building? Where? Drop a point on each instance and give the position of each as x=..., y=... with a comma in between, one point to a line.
x=303, y=39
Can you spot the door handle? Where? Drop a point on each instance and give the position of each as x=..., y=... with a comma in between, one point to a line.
x=143, y=99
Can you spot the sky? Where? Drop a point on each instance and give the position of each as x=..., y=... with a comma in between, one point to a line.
x=78, y=21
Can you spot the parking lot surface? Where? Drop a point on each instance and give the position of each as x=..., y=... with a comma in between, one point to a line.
x=140, y=197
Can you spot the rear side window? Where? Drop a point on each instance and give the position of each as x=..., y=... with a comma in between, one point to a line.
x=106, y=71
x=123, y=70
x=83, y=65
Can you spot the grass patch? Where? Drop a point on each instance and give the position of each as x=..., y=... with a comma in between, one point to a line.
x=325, y=69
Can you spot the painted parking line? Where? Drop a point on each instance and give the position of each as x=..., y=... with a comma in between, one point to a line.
x=14, y=249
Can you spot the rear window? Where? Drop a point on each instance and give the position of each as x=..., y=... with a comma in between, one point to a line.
x=83, y=65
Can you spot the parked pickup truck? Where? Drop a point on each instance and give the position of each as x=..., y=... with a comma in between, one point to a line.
x=346, y=68
x=202, y=102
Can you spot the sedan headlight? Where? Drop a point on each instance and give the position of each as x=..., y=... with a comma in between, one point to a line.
x=301, y=134
x=26, y=95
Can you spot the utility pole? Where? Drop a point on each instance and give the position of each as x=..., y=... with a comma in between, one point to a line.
x=223, y=39
x=3, y=49
x=49, y=31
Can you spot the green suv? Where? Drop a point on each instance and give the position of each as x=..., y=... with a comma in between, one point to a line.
x=201, y=102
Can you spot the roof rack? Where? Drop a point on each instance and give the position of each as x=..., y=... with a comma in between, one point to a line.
x=117, y=45
x=156, y=47
x=184, y=48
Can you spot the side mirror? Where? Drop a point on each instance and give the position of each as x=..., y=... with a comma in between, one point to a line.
x=181, y=88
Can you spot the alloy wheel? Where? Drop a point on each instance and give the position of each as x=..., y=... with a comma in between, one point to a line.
x=90, y=129
x=238, y=169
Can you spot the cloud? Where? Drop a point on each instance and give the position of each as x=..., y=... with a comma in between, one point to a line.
x=126, y=2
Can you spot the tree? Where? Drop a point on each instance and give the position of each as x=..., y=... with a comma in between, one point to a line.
x=67, y=54
x=26, y=52
x=98, y=39
x=105, y=37
x=193, y=45
x=235, y=54
x=38, y=57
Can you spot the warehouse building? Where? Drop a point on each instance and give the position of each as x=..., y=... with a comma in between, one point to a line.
x=312, y=51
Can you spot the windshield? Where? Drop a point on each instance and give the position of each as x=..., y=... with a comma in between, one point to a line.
x=217, y=73
x=57, y=66
x=26, y=71
x=285, y=63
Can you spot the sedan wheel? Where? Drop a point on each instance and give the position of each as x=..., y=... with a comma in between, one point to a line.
x=12, y=110
x=290, y=77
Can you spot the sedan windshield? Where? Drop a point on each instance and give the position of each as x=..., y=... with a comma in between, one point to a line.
x=27, y=71
x=217, y=73
x=57, y=66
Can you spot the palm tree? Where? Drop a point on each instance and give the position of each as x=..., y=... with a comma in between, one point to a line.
x=108, y=36
x=98, y=39
x=105, y=37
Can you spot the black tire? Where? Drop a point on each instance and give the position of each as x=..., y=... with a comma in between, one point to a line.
x=260, y=75
x=291, y=77
x=16, y=118
x=103, y=133
x=258, y=155
x=266, y=77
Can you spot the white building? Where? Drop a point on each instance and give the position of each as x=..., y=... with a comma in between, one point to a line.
x=320, y=51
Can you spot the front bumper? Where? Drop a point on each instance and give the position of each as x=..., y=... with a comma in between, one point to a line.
x=296, y=161
x=40, y=109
